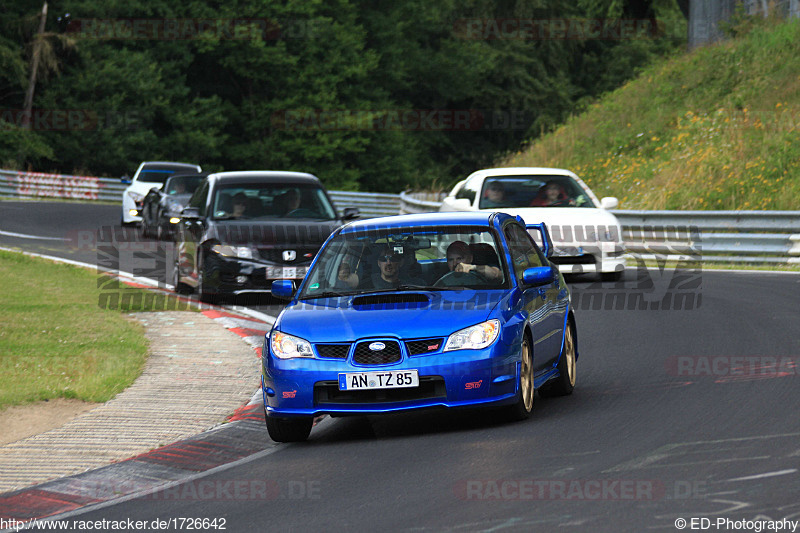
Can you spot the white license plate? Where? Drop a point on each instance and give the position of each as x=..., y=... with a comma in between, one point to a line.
x=390, y=379
x=286, y=272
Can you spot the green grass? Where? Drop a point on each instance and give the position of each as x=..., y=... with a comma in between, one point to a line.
x=716, y=129
x=56, y=341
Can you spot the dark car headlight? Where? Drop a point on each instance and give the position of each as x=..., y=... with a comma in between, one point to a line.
x=474, y=337
x=241, y=252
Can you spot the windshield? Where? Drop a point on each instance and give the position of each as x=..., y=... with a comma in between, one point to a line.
x=155, y=174
x=272, y=200
x=533, y=191
x=435, y=258
x=184, y=184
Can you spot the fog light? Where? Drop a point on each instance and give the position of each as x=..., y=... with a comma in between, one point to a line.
x=133, y=212
x=241, y=279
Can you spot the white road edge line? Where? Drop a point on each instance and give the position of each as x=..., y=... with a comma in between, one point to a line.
x=35, y=237
x=767, y=474
x=144, y=281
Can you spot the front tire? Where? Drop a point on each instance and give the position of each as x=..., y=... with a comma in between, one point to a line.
x=524, y=406
x=288, y=429
x=564, y=384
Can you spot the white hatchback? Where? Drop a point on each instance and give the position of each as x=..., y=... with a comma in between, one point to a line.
x=149, y=174
x=586, y=236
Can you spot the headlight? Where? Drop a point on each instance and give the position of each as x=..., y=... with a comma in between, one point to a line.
x=288, y=346
x=173, y=206
x=136, y=197
x=242, y=252
x=474, y=337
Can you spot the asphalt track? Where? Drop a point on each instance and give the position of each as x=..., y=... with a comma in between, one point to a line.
x=686, y=407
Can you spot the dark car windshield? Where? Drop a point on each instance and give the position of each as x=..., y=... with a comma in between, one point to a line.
x=184, y=184
x=405, y=259
x=160, y=173
x=533, y=191
x=270, y=201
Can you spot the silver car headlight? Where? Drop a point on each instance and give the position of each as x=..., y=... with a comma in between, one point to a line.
x=136, y=197
x=474, y=337
x=242, y=252
x=286, y=346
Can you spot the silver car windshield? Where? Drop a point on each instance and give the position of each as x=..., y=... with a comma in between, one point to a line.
x=406, y=259
x=533, y=191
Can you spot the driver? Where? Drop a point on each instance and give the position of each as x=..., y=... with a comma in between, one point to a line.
x=390, y=275
x=459, y=259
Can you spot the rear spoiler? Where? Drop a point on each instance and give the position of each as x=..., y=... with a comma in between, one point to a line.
x=546, y=242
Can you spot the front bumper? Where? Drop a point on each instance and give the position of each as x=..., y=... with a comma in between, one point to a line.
x=231, y=275
x=460, y=378
x=606, y=257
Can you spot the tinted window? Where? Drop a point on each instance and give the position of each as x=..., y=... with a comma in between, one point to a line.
x=524, y=252
x=160, y=173
x=469, y=190
x=352, y=262
x=271, y=200
x=533, y=191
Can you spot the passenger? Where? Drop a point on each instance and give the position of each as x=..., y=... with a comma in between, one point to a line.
x=345, y=278
x=459, y=259
x=239, y=204
x=551, y=194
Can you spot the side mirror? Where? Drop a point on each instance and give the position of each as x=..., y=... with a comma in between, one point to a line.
x=283, y=289
x=538, y=275
x=456, y=204
x=125, y=179
x=190, y=212
x=351, y=213
x=609, y=202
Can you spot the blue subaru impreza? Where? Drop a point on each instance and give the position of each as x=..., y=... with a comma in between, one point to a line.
x=420, y=311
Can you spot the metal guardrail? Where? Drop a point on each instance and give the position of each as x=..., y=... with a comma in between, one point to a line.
x=41, y=185
x=370, y=205
x=718, y=236
x=757, y=237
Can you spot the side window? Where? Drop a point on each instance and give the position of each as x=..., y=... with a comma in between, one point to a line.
x=198, y=199
x=469, y=190
x=524, y=252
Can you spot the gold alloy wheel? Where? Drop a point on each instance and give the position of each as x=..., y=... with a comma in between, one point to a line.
x=569, y=353
x=526, y=376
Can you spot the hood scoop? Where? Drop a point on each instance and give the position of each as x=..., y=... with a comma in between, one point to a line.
x=391, y=301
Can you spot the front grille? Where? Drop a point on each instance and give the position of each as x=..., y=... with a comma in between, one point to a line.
x=275, y=255
x=364, y=356
x=586, y=259
x=333, y=351
x=430, y=387
x=422, y=346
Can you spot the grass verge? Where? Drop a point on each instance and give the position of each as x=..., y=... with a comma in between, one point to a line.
x=714, y=129
x=56, y=341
